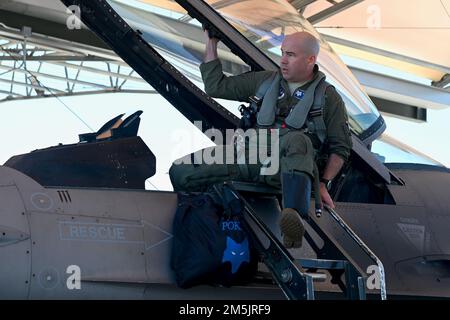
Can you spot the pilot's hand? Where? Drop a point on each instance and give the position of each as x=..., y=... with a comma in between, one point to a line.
x=326, y=199
x=208, y=38
x=210, y=48
x=211, y=32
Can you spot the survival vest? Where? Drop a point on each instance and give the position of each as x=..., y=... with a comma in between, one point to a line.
x=307, y=114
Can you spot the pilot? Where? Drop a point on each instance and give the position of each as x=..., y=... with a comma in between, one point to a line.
x=305, y=137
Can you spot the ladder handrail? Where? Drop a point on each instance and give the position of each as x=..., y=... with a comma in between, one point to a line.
x=363, y=246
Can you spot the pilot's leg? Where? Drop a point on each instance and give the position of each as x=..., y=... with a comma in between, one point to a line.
x=191, y=173
x=296, y=172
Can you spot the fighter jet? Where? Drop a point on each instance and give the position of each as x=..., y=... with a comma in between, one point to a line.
x=76, y=222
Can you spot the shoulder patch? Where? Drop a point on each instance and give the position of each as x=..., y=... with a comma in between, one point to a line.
x=299, y=94
x=281, y=93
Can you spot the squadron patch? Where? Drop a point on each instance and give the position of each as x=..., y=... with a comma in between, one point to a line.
x=281, y=93
x=299, y=94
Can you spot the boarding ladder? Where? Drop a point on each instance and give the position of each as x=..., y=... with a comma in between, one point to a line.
x=343, y=251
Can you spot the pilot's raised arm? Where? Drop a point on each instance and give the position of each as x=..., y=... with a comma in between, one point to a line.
x=239, y=87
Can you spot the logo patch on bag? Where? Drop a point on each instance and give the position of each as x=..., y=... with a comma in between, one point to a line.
x=299, y=94
x=229, y=225
x=236, y=253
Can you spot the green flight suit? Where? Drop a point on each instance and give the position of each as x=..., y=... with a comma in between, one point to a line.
x=297, y=150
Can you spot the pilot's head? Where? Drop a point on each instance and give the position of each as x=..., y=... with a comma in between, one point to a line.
x=298, y=56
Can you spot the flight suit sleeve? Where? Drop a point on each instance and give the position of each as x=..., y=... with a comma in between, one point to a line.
x=218, y=85
x=336, y=120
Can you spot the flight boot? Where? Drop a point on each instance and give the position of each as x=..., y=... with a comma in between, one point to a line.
x=296, y=197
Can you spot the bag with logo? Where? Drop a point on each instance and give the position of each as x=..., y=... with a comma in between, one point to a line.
x=210, y=243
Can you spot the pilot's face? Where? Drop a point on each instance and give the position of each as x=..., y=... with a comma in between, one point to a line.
x=296, y=65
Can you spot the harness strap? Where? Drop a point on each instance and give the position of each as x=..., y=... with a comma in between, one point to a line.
x=256, y=100
x=316, y=123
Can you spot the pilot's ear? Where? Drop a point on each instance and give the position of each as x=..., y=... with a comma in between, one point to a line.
x=312, y=59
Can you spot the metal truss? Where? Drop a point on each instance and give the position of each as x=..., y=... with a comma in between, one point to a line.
x=301, y=5
x=443, y=83
x=37, y=66
x=336, y=7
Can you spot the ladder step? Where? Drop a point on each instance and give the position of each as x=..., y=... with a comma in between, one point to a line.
x=317, y=276
x=323, y=264
x=267, y=276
